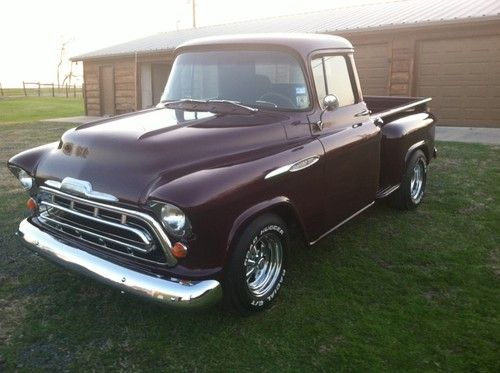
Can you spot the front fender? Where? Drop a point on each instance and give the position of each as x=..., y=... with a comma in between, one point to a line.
x=29, y=159
x=220, y=201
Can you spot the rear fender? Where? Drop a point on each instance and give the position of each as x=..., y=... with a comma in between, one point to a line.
x=400, y=139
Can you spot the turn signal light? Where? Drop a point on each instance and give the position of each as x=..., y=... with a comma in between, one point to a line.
x=31, y=204
x=179, y=250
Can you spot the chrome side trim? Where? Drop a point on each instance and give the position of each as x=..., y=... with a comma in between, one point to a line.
x=341, y=223
x=145, y=239
x=148, y=219
x=81, y=188
x=385, y=192
x=166, y=291
x=293, y=167
x=400, y=109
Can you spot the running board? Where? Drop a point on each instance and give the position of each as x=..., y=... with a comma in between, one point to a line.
x=341, y=223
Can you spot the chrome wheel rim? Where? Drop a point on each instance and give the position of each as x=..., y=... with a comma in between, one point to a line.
x=263, y=263
x=417, y=182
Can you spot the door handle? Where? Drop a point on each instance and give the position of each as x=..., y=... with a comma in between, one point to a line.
x=363, y=113
x=356, y=125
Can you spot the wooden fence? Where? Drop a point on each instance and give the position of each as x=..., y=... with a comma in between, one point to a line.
x=42, y=89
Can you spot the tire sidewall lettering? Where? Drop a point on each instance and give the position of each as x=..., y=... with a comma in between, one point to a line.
x=266, y=299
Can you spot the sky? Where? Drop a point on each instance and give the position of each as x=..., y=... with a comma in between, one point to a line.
x=33, y=31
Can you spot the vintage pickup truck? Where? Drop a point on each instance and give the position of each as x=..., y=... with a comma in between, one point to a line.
x=193, y=201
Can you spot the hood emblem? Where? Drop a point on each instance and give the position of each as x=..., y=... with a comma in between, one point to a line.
x=79, y=151
x=80, y=188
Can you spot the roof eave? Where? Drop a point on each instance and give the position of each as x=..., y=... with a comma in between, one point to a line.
x=340, y=32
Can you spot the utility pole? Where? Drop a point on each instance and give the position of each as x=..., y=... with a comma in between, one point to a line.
x=194, y=13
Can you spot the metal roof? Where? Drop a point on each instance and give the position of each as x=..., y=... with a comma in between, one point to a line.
x=375, y=16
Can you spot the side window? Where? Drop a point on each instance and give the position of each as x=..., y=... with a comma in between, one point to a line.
x=331, y=76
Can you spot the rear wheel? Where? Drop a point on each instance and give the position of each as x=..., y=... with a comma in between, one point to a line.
x=412, y=188
x=258, y=265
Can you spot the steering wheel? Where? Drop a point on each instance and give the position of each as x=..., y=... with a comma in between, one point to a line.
x=281, y=98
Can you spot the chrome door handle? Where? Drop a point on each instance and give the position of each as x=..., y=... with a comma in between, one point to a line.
x=363, y=113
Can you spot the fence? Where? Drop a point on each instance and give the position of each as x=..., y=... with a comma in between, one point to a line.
x=42, y=89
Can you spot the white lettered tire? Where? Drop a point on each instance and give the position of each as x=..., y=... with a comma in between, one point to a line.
x=258, y=265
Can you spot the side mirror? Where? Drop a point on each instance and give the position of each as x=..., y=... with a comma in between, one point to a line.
x=330, y=103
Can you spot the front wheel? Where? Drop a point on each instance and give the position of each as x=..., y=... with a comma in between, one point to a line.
x=258, y=265
x=412, y=188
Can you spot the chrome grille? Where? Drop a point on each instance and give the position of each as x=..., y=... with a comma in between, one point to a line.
x=108, y=227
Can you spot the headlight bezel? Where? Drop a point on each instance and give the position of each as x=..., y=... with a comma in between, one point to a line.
x=172, y=218
x=27, y=181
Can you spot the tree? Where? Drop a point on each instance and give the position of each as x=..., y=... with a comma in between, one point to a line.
x=62, y=55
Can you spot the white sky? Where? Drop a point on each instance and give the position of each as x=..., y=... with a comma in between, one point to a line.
x=32, y=31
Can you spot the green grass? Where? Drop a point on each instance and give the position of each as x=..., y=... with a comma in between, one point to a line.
x=391, y=290
x=23, y=109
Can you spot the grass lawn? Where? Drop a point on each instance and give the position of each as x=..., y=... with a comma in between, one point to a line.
x=23, y=109
x=390, y=291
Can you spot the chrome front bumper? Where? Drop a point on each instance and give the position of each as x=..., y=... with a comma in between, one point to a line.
x=181, y=295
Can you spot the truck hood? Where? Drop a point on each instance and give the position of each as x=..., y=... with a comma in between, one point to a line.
x=129, y=156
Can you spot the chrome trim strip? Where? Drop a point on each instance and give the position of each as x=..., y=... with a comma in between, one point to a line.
x=145, y=239
x=166, y=291
x=341, y=223
x=400, y=109
x=90, y=233
x=152, y=222
x=53, y=184
x=385, y=192
x=293, y=167
x=278, y=171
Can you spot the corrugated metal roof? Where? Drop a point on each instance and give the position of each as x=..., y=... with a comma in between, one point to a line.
x=383, y=15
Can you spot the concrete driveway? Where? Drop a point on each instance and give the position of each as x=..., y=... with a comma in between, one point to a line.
x=490, y=136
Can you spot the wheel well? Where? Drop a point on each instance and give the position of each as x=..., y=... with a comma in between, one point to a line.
x=423, y=148
x=290, y=218
x=285, y=212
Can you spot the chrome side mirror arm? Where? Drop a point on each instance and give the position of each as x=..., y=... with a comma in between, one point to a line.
x=330, y=103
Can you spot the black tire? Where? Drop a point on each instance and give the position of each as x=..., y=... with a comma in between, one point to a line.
x=267, y=234
x=409, y=195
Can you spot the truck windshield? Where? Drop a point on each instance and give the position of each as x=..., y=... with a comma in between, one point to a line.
x=268, y=79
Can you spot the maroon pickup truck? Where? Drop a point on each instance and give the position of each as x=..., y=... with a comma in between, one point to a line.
x=194, y=200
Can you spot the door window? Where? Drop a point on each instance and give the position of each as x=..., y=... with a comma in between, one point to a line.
x=331, y=77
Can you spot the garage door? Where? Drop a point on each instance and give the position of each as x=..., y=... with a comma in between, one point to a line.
x=372, y=62
x=463, y=77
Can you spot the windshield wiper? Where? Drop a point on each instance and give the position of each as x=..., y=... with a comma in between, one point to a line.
x=212, y=106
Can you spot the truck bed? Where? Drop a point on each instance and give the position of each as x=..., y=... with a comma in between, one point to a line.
x=392, y=107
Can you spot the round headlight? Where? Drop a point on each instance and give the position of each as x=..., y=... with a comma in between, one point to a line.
x=25, y=179
x=174, y=220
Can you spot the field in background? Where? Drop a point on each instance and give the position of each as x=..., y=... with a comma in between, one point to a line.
x=32, y=108
x=389, y=291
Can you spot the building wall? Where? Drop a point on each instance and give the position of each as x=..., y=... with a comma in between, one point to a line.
x=124, y=85
x=401, y=49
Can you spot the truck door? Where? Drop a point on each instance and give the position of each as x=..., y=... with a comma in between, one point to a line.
x=350, y=139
